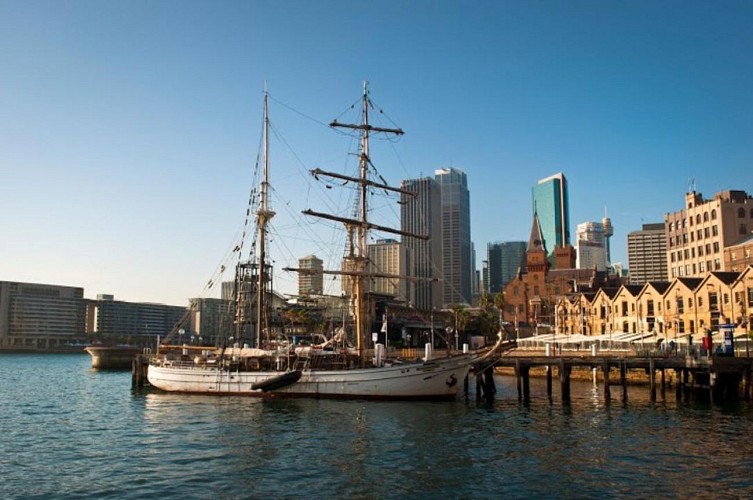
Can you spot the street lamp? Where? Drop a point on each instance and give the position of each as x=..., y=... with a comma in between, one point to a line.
x=432, y=328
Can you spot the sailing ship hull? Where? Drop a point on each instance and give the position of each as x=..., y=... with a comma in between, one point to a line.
x=436, y=379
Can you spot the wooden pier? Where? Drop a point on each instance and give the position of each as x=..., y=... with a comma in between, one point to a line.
x=721, y=378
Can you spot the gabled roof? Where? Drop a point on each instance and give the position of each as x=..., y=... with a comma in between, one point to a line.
x=659, y=286
x=633, y=290
x=691, y=283
x=610, y=291
x=725, y=277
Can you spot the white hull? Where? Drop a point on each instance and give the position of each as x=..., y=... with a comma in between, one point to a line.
x=436, y=379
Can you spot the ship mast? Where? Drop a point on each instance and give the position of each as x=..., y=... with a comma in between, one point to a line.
x=263, y=216
x=357, y=259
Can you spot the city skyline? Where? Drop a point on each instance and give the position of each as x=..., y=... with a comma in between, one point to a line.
x=128, y=131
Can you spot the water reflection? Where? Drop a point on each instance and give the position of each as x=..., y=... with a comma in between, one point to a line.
x=71, y=432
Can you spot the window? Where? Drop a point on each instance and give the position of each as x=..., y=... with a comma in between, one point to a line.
x=692, y=236
x=708, y=248
x=702, y=267
x=680, y=308
x=741, y=212
x=671, y=226
x=715, y=230
x=700, y=251
x=698, y=219
x=743, y=228
x=717, y=264
x=716, y=247
x=699, y=233
x=705, y=216
x=713, y=214
x=705, y=232
x=672, y=257
x=700, y=301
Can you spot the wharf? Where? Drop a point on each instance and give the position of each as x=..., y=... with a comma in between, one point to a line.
x=721, y=378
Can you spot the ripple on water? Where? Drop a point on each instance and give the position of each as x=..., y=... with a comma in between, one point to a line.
x=74, y=432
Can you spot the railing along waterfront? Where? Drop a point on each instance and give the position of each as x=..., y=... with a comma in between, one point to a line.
x=712, y=366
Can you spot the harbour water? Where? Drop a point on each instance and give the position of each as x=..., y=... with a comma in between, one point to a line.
x=67, y=431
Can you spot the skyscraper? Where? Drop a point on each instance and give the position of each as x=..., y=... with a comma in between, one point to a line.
x=647, y=254
x=456, y=235
x=388, y=256
x=592, y=244
x=550, y=203
x=504, y=260
x=422, y=214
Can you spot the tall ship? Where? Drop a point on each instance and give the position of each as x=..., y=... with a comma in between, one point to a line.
x=339, y=366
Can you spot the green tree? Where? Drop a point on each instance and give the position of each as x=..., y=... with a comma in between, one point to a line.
x=484, y=301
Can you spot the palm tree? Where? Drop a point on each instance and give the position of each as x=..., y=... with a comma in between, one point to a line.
x=499, y=303
x=499, y=300
x=484, y=301
x=461, y=320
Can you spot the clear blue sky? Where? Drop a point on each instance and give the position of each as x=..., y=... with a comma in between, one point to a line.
x=128, y=130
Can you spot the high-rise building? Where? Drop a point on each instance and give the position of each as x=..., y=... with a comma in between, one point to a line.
x=592, y=245
x=456, y=236
x=422, y=215
x=504, y=260
x=551, y=204
x=697, y=236
x=40, y=316
x=211, y=319
x=311, y=283
x=388, y=256
x=135, y=319
x=647, y=254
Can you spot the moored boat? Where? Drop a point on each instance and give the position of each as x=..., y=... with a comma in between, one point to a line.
x=119, y=357
x=334, y=368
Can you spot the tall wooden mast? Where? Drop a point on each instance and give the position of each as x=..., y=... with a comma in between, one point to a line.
x=358, y=258
x=263, y=216
x=356, y=261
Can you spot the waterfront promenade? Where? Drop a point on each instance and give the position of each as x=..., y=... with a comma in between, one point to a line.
x=714, y=371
